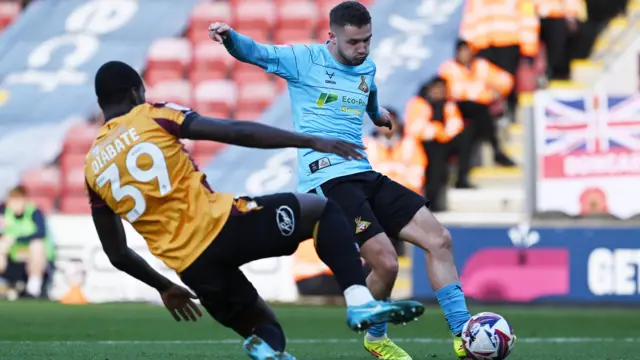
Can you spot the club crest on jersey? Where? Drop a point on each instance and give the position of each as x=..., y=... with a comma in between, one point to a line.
x=361, y=225
x=363, y=84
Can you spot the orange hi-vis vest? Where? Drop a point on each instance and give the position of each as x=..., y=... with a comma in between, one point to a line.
x=306, y=263
x=477, y=82
x=558, y=9
x=501, y=23
x=403, y=162
x=420, y=124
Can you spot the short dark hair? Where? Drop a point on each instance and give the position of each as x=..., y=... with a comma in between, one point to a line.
x=349, y=13
x=460, y=43
x=114, y=81
x=429, y=84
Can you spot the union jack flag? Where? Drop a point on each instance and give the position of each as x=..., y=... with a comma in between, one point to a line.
x=591, y=124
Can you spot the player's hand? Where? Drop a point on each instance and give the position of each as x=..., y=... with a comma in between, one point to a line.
x=178, y=301
x=219, y=32
x=344, y=149
x=384, y=120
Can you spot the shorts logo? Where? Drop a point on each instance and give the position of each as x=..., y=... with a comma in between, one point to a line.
x=363, y=84
x=286, y=220
x=361, y=226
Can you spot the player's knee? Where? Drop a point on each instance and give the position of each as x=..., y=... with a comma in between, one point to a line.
x=426, y=232
x=381, y=256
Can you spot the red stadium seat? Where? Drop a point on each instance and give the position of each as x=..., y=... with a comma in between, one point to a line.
x=154, y=76
x=213, y=57
x=8, y=12
x=46, y=204
x=202, y=160
x=198, y=76
x=258, y=35
x=73, y=180
x=248, y=115
x=215, y=96
x=256, y=96
x=281, y=84
x=258, y=15
x=43, y=182
x=206, y=13
x=206, y=148
x=293, y=36
x=80, y=138
x=244, y=73
x=322, y=34
x=170, y=54
x=297, y=15
x=76, y=204
x=178, y=92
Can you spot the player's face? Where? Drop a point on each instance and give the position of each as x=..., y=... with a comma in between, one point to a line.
x=353, y=43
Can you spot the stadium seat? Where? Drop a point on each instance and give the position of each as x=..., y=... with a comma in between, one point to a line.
x=77, y=205
x=169, y=54
x=73, y=179
x=247, y=115
x=322, y=34
x=154, y=76
x=8, y=12
x=293, y=36
x=43, y=182
x=212, y=57
x=252, y=14
x=256, y=96
x=177, y=91
x=206, y=13
x=202, y=160
x=297, y=15
x=80, y=137
x=206, y=148
x=46, y=204
x=281, y=84
x=215, y=96
x=244, y=73
x=258, y=35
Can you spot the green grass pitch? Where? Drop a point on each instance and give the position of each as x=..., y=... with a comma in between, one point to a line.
x=49, y=331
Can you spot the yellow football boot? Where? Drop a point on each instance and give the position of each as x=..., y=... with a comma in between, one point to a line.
x=458, y=348
x=385, y=349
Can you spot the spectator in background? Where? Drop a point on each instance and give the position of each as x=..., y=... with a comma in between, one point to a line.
x=475, y=84
x=26, y=254
x=438, y=125
x=501, y=31
x=558, y=22
x=400, y=158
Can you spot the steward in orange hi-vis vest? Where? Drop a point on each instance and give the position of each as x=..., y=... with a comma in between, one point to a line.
x=436, y=123
x=558, y=21
x=501, y=24
x=402, y=159
x=475, y=84
x=138, y=171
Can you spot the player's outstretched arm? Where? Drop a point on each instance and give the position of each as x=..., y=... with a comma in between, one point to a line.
x=256, y=135
x=239, y=46
x=114, y=243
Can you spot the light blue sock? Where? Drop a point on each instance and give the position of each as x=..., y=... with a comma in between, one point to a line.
x=451, y=299
x=378, y=330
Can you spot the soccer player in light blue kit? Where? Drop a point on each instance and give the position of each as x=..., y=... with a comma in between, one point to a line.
x=331, y=87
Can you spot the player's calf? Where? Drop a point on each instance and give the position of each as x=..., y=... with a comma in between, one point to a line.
x=426, y=232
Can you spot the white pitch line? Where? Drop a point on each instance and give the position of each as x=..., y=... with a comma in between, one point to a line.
x=307, y=341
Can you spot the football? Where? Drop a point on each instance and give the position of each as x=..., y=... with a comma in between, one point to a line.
x=488, y=336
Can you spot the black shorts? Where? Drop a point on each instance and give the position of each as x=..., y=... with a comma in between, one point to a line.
x=373, y=203
x=258, y=228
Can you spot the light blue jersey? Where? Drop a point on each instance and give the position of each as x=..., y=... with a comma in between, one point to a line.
x=328, y=99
